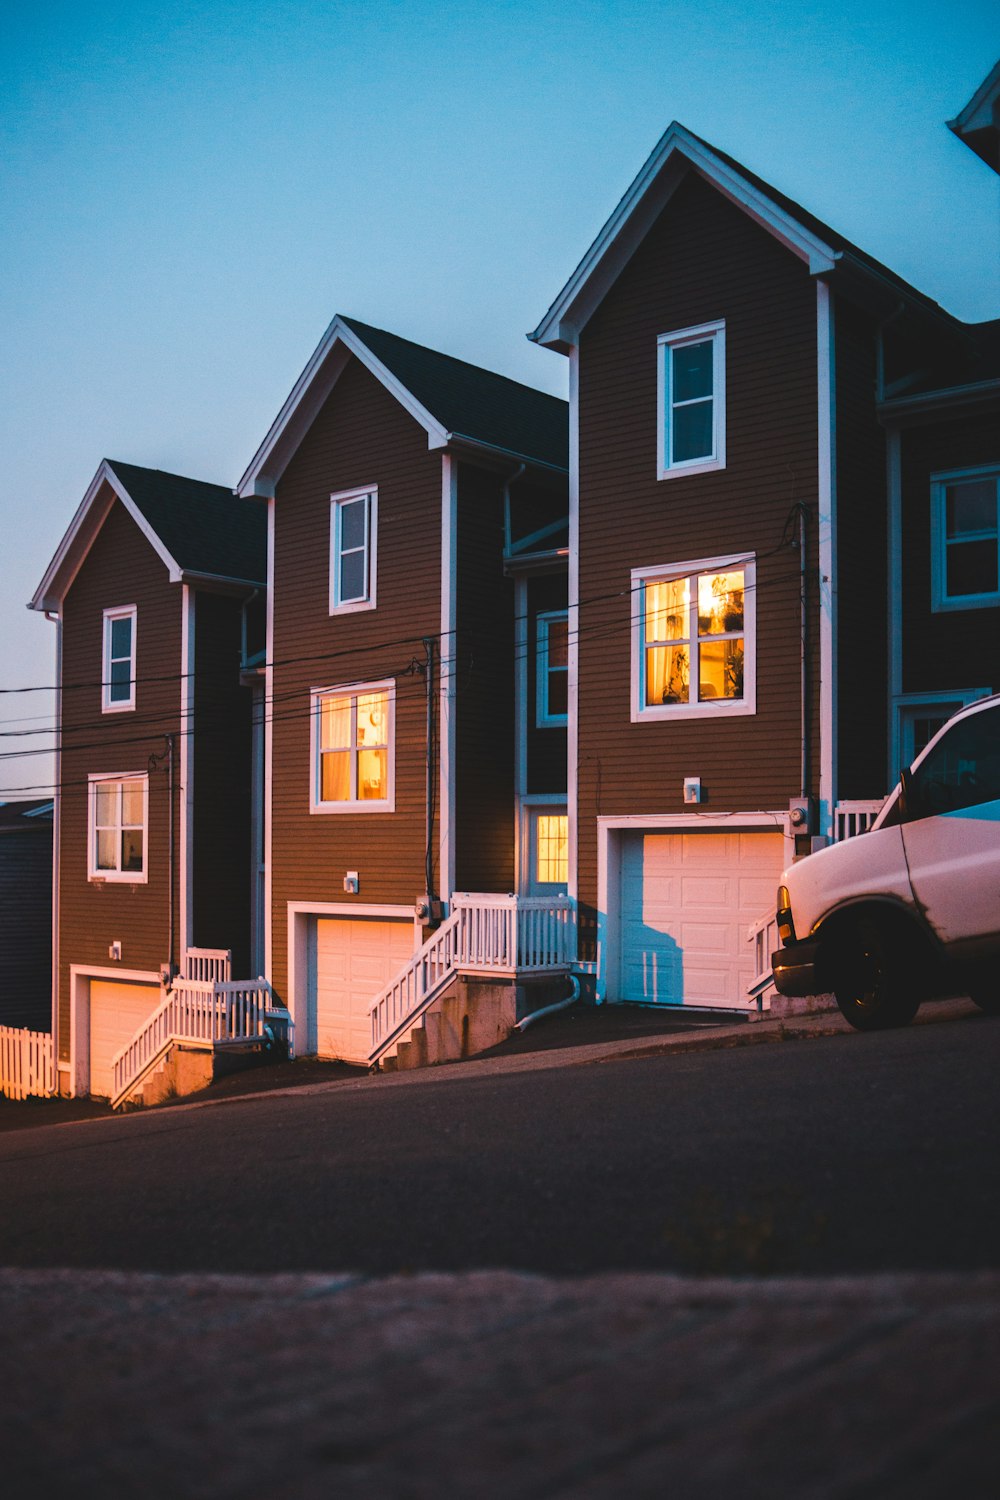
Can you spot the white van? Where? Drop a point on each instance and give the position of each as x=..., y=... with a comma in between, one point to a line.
x=911, y=908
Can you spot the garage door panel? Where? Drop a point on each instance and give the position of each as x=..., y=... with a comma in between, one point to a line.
x=686, y=904
x=117, y=1011
x=355, y=958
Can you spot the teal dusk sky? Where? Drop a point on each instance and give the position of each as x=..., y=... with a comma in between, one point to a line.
x=190, y=192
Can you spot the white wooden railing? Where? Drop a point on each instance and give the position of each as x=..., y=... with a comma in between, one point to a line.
x=214, y=1013
x=27, y=1063
x=764, y=937
x=485, y=934
x=208, y=964
x=852, y=818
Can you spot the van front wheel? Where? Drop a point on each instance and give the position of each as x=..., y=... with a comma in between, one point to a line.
x=872, y=990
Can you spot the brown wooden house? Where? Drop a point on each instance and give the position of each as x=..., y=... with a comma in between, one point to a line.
x=26, y=904
x=417, y=533
x=157, y=593
x=754, y=625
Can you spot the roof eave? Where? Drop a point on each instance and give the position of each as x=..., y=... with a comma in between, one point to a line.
x=313, y=386
x=675, y=153
x=79, y=537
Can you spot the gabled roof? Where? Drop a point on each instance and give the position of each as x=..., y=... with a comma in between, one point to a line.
x=201, y=532
x=454, y=401
x=31, y=812
x=677, y=152
x=978, y=125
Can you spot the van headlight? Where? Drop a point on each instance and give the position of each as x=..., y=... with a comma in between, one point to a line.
x=786, y=926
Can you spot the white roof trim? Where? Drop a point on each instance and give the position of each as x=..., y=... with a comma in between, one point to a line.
x=644, y=199
x=80, y=534
x=307, y=396
x=978, y=113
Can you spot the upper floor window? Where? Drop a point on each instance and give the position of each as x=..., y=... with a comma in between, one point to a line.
x=118, y=820
x=552, y=669
x=352, y=748
x=118, y=674
x=965, y=539
x=694, y=639
x=691, y=383
x=353, y=529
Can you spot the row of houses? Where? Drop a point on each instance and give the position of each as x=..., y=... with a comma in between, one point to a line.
x=464, y=695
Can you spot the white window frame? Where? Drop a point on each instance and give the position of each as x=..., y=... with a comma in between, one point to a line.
x=123, y=612
x=666, y=467
x=940, y=599
x=338, y=605
x=354, y=691
x=709, y=708
x=118, y=876
x=544, y=718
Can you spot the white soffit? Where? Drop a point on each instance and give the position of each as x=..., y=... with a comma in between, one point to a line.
x=676, y=153
x=307, y=397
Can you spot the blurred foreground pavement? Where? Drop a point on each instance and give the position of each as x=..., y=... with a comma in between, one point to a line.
x=498, y=1384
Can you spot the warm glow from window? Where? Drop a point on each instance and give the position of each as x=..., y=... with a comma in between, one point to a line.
x=552, y=849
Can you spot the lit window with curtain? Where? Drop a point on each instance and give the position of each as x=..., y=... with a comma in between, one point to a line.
x=693, y=639
x=353, y=748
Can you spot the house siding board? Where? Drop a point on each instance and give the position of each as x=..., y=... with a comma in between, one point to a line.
x=26, y=936
x=702, y=260
x=953, y=648
x=546, y=747
x=862, y=552
x=221, y=852
x=361, y=436
x=121, y=568
x=484, y=690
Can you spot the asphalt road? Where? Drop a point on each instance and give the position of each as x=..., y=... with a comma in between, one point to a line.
x=845, y=1153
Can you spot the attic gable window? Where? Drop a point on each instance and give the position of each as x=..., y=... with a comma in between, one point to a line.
x=965, y=539
x=353, y=532
x=691, y=400
x=118, y=674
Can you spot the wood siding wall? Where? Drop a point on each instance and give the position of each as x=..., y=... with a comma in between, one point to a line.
x=954, y=648
x=546, y=747
x=26, y=933
x=360, y=437
x=484, y=690
x=862, y=660
x=121, y=568
x=221, y=853
x=702, y=260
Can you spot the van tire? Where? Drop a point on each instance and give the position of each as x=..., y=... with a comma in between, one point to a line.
x=872, y=988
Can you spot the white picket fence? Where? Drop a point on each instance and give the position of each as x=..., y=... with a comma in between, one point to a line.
x=485, y=934
x=214, y=1013
x=27, y=1063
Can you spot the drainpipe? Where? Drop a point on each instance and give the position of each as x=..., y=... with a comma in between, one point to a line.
x=154, y=761
x=803, y=654
x=550, y=1010
x=428, y=644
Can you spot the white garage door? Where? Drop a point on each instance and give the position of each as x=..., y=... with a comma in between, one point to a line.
x=116, y=1013
x=687, y=900
x=355, y=958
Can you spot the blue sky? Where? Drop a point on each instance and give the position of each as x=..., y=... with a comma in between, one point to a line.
x=189, y=191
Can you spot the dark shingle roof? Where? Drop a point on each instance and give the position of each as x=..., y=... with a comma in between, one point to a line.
x=204, y=527
x=473, y=403
x=26, y=812
x=824, y=231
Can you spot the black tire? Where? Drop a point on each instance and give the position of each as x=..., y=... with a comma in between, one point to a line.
x=873, y=991
x=985, y=992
